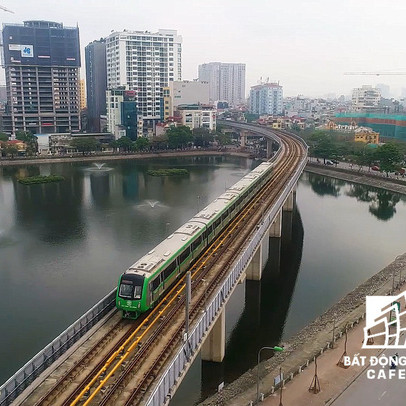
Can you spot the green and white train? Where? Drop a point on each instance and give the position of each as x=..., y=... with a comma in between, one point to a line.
x=142, y=285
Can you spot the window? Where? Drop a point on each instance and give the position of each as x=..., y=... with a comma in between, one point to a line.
x=156, y=282
x=196, y=243
x=184, y=255
x=167, y=272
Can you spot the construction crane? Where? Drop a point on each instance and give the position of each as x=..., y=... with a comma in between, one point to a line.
x=6, y=9
x=375, y=73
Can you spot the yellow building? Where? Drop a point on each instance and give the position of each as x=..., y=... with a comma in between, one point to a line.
x=82, y=94
x=366, y=135
x=167, y=103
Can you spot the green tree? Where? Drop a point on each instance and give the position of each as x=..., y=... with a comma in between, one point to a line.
x=10, y=150
x=202, y=137
x=224, y=139
x=85, y=145
x=159, y=142
x=390, y=157
x=141, y=144
x=179, y=137
x=3, y=137
x=125, y=144
x=30, y=141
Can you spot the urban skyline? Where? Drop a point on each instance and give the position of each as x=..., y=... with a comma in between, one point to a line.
x=308, y=50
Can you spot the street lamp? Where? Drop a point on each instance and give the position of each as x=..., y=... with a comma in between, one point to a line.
x=277, y=349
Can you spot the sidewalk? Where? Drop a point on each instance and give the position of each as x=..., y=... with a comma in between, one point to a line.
x=333, y=379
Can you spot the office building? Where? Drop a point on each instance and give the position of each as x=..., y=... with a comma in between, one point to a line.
x=146, y=63
x=366, y=99
x=266, y=98
x=96, y=83
x=226, y=81
x=122, y=114
x=41, y=61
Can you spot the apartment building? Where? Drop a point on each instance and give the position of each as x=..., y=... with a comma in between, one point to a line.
x=366, y=99
x=266, y=98
x=145, y=63
x=226, y=81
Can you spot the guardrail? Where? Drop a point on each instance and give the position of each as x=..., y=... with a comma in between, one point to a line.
x=33, y=368
x=162, y=392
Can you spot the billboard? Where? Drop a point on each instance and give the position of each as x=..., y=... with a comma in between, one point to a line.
x=27, y=51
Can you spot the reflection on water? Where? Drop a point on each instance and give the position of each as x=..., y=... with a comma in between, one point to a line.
x=325, y=186
x=63, y=245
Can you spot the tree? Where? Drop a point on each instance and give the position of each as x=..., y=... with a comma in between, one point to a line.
x=390, y=158
x=125, y=144
x=179, y=137
x=11, y=149
x=141, y=144
x=3, y=137
x=224, y=139
x=202, y=137
x=159, y=142
x=30, y=141
x=85, y=145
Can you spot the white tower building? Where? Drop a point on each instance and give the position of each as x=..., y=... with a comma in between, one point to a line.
x=144, y=62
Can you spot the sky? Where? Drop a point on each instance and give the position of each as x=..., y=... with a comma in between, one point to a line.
x=306, y=45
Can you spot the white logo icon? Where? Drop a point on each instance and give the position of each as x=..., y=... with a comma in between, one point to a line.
x=385, y=322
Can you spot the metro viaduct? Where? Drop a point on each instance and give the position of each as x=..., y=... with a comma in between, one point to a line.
x=207, y=333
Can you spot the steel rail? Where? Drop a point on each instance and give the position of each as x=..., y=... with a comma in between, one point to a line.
x=158, y=360
x=116, y=355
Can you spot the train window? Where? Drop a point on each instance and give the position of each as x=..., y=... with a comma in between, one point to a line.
x=224, y=216
x=156, y=282
x=184, y=255
x=232, y=207
x=210, y=229
x=196, y=243
x=217, y=223
x=169, y=269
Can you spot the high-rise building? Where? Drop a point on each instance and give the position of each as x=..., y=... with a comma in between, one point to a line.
x=96, y=83
x=41, y=61
x=144, y=62
x=366, y=98
x=266, y=98
x=226, y=81
x=82, y=94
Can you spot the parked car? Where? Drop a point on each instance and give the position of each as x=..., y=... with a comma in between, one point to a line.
x=401, y=171
x=375, y=168
x=328, y=162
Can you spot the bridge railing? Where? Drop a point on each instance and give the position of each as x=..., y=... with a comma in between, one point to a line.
x=33, y=368
x=162, y=392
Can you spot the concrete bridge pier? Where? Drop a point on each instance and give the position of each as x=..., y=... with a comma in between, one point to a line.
x=243, y=138
x=214, y=347
x=269, y=144
x=287, y=209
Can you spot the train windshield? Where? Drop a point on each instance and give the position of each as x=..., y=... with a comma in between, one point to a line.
x=131, y=287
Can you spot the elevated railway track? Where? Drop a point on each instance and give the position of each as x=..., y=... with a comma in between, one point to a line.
x=121, y=367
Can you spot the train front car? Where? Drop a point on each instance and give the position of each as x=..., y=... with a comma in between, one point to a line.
x=131, y=292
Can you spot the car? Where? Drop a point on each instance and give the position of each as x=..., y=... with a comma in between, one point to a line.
x=328, y=162
x=375, y=168
x=334, y=161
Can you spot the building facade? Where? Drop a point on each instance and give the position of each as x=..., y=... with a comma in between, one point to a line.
x=146, y=63
x=96, y=83
x=122, y=113
x=41, y=61
x=82, y=95
x=226, y=81
x=184, y=92
x=266, y=98
x=366, y=99
x=197, y=116
x=366, y=135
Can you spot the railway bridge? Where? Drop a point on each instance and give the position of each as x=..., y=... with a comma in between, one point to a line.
x=102, y=359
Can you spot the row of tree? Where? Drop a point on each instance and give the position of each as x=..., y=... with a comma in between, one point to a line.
x=390, y=156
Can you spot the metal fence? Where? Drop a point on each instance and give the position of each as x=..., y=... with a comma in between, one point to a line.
x=33, y=368
x=162, y=392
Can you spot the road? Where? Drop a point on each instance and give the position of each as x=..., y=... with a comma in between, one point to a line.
x=364, y=391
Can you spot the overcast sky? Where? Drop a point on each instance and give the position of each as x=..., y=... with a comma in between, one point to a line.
x=305, y=45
